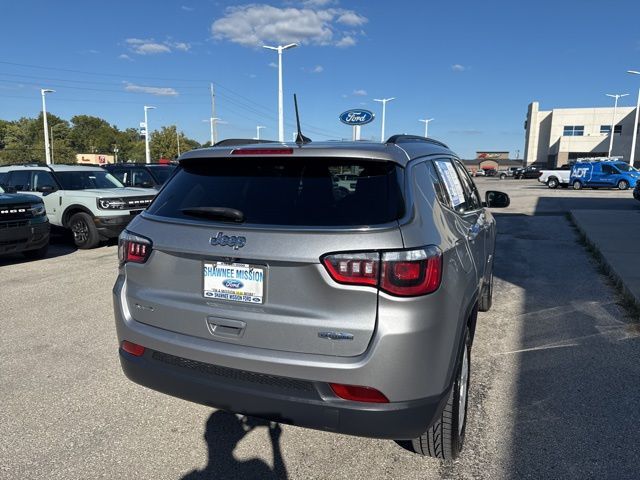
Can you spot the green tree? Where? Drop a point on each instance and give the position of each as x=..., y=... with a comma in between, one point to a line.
x=92, y=135
x=164, y=143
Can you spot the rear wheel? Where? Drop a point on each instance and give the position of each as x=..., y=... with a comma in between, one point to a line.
x=577, y=185
x=444, y=439
x=486, y=297
x=85, y=233
x=553, y=182
x=623, y=185
x=503, y=176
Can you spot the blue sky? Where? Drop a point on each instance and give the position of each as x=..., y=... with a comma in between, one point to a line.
x=472, y=66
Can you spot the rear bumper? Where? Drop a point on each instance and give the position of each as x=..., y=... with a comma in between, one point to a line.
x=285, y=400
x=16, y=237
x=111, y=227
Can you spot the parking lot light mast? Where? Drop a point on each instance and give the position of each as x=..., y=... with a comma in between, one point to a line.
x=426, y=125
x=258, y=128
x=146, y=134
x=635, y=123
x=280, y=49
x=384, y=109
x=613, y=119
x=47, y=148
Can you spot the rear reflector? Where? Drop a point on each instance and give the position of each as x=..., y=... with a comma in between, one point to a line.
x=133, y=348
x=262, y=151
x=358, y=394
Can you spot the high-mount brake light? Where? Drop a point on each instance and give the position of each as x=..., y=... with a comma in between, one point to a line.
x=133, y=248
x=403, y=273
x=262, y=151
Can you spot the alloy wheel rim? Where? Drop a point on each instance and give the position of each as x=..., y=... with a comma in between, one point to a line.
x=80, y=231
x=462, y=390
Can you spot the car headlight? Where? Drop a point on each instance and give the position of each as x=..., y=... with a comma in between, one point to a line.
x=111, y=203
x=37, y=210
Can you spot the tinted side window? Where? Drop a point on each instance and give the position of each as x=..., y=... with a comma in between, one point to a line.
x=42, y=178
x=4, y=179
x=120, y=175
x=452, y=183
x=440, y=188
x=21, y=180
x=608, y=169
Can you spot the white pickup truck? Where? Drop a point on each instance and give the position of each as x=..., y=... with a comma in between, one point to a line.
x=555, y=178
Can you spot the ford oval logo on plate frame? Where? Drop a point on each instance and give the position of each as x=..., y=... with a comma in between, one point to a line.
x=232, y=283
x=356, y=117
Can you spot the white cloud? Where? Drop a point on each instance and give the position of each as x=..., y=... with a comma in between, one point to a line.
x=360, y=93
x=273, y=64
x=187, y=9
x=141, y=46
x=317, y=69
x=318, y=3
x=124, y=56
x=347, y=41
x=159, y=91
x=352, y=19
x=259, y=24
x=459, y=68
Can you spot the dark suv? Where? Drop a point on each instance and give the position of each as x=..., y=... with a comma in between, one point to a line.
x=142, y=175
x=24, y=227
x=254, y=284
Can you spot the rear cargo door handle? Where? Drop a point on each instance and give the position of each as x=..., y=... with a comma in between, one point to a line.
x=225, y=327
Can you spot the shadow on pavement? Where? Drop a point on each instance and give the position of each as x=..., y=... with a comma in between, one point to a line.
x=576, y=403
x=223, y=433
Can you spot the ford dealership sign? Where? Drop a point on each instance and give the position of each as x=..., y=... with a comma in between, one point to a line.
x=356, y=117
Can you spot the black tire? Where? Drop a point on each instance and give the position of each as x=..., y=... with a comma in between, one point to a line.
x=85, y=233
x=623, y=185
x=503, y=176
x=37, y=253
x=486, y=296
x=445, y=438
x=553, y=182
x=577, y=185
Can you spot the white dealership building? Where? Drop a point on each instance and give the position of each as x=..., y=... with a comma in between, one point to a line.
x=556, y=137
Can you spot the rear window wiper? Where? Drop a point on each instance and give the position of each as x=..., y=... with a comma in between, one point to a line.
x=215, y=213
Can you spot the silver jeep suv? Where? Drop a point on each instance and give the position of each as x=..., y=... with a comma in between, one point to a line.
x=254, y=284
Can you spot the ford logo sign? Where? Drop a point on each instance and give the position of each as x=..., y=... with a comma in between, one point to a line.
x=233, y=284
x=356, y=117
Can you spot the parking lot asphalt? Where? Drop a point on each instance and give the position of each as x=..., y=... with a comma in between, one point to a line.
x=554, y=390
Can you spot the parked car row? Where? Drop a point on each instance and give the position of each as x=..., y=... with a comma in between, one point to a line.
x=592, y=174
x=89, y=201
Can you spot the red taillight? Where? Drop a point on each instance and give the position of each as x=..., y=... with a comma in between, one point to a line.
x=133, y=348
x=358, y=394
x=133, y=248
x=262, y=151
x=404, y=273
x=353, y=268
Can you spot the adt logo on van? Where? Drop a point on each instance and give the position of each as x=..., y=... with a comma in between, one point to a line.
x=232, y=283
x=356, y=117
x=228, y=241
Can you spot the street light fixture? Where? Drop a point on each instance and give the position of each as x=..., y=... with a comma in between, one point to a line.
x=258, y=128
x=613, y=120
x=635, y=123
x=146, y=134
x=280, y=49
x=384, y=109
x=426, y=125
x=47, y=148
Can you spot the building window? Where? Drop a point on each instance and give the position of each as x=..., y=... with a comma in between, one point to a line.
x=606, y=129
x=573, y=131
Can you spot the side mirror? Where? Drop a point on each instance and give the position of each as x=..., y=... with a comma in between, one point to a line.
x=494, y=199
x=146, y=185
x=46, y=189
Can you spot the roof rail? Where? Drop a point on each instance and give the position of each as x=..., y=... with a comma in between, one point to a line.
x=414, y=138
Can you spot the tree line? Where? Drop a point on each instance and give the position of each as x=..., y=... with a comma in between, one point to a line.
x=22, y=141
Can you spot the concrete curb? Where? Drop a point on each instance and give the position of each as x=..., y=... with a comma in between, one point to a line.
x=599, y=237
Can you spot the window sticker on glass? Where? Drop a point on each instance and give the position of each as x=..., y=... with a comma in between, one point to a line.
x=452, y=182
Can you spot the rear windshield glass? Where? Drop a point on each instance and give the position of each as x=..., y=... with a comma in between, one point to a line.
x=81, y=180
x=162, y=173
x=287, y=191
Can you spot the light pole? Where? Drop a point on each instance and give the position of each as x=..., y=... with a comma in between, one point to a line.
x=146, y=134
x=635, y=123
x=258, y=128
x=280, y=49
x=426, y=126
x=384, y=109
x=613, y=120
x=47, y=148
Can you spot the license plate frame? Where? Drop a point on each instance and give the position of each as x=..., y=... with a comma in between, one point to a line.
x=245, y=283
